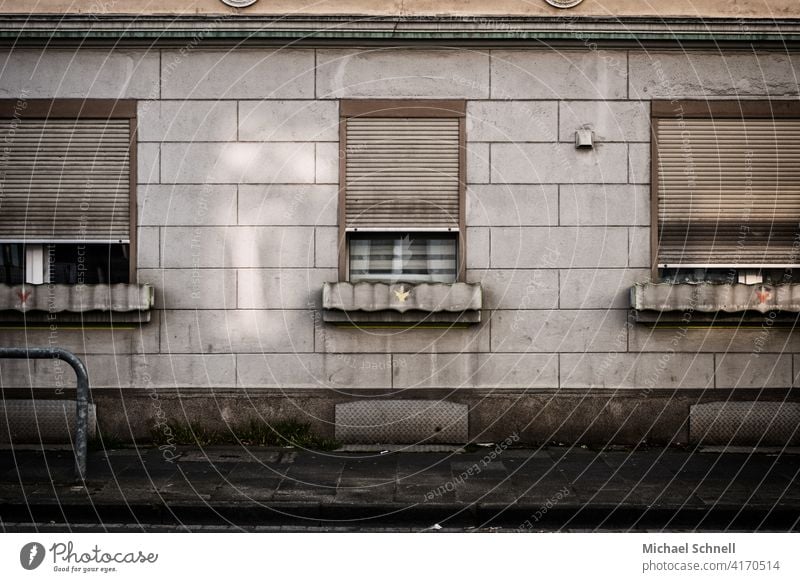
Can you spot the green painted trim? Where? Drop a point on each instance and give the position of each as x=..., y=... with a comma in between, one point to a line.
x=578, y=36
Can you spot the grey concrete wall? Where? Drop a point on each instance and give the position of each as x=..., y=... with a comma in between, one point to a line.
x=237, y=198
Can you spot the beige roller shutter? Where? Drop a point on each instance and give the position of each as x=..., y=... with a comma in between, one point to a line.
x=402, y=173
x=728, y=192
x=65, y=180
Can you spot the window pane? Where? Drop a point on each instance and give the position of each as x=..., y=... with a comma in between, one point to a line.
x=12, y=264
x=415, y=257
x=89, y=264
x=72, y=264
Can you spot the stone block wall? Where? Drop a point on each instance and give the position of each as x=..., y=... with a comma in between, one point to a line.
x=237, y=198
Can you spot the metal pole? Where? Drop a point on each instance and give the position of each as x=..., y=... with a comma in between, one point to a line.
x=82, y=403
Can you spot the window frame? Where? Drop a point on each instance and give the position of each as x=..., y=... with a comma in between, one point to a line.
x=439, y=108
x=102, y=109
x=702, y=109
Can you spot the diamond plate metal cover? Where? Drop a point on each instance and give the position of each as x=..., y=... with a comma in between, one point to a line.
x=745, y=423
x=45, y=421
x=402, y=422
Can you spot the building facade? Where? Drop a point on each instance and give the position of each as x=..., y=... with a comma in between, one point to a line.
x=405, y=222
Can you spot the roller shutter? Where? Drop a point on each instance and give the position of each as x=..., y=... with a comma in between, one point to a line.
x=728, y=192
x=65, y=180
x=402, y=174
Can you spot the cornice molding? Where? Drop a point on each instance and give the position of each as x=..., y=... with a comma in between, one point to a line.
x=569, y=29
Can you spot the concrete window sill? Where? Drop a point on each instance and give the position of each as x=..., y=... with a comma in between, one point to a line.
x=377, y=303
x=665, y=302
x=95, y=303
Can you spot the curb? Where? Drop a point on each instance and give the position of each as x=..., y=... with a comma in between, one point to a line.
x=513, y=517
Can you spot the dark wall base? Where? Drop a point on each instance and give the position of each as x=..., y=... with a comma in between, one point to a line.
x=591, y=417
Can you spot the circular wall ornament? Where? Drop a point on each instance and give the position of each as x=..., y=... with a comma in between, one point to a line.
x=239, y=3
x=564, y=3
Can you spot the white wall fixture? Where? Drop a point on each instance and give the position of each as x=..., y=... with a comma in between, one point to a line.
x=584, y=138
x=241, y=3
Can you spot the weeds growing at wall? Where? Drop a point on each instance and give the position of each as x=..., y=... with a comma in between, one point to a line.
x=285, y=433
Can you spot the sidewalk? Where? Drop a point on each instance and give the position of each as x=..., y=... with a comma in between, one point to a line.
x=554, y=488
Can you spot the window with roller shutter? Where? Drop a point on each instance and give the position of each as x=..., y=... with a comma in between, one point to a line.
x=67, y=175
x=402, y=191
x=726, y=190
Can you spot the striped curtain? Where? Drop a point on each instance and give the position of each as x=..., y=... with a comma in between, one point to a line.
x=415, y=257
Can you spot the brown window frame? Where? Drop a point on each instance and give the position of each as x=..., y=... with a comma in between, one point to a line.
x=441, y=108
x=88, y=109
x=702, y=109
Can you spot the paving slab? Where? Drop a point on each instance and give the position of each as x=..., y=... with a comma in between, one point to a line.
x=363, y=489
x=427, y=489
x=377, y=467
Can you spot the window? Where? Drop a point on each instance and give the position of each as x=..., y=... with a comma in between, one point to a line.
x=423, y=257
x=726, y=191
x=66, y=191
x=402, y=191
